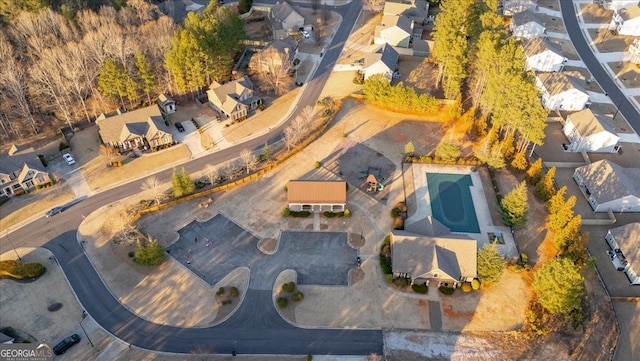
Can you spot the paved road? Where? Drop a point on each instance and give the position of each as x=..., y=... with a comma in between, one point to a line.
x=577, y=38
x=256, y=328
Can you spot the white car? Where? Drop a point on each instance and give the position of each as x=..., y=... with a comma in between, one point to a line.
x=305, y=34
x=69, y=159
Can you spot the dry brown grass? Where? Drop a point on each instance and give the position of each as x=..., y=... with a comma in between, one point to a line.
x=28, y=205
x=627, y=72
x=99, y=176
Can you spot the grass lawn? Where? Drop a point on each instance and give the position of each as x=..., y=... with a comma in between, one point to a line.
x=27, y=205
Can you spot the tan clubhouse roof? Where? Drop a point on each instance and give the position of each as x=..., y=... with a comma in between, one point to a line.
x=316, y=192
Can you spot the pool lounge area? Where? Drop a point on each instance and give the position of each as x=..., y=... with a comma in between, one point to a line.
x=454, y=196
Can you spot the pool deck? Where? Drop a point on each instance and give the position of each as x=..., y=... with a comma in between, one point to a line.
x=423, y=205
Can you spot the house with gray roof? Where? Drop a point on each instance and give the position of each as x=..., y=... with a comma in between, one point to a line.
x=384, y=61
x=562, y=91
x=526, y=25
x=512, y=7
x=394, y=30
x=279, y=53
x=285, y=18
x=441, y=260
x=415, y=10
x=21, y=170
x=233, y=99
x=543, y=56
x=142, y=128
x=626, y=21
x=624, y=241
x=608, y=186
x=591, y=132
x=166, y=104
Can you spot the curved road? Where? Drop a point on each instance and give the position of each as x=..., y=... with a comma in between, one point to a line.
x=256, y=327
x=608, y=85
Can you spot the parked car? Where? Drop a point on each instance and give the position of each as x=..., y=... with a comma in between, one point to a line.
x=69, y=159
x=180, y=127
x=299, y=83
x=66, y=344
x=305, y=34
x=53, y=211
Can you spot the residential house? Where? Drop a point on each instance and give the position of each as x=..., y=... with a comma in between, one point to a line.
x=543, y=56
x=633, y=52
x=278, y=53
x=591, y=132
x=166, y=104
x=285, y=19
x=616, y=4
x=442, y=260
x=394, y=30
x=561, y=91
x=608, y=186
x=317, y=196
x=625, y=243
x=626, y=21
x=21, y=170
x=416, y=10
x=422, y=47
x=512, y=7
x=138, y=129
x=384, y=61
x=234, y=99
x=526, y=25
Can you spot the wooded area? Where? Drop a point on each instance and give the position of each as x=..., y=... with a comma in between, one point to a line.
x=62, y=66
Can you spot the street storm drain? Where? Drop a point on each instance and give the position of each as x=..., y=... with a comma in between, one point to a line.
x=54, y=307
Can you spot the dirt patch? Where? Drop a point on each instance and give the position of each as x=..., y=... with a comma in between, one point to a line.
x=356, y=240
x=421, y=74
x=568, y=50
x=594, y=13
x=257, y=26
x=582, y=74
x=355, y=276
x=268, y=245
x=552, y=23
x=627, y=72
x=606, y=42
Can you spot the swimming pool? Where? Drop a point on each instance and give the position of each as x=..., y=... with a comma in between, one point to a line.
x=451, y=201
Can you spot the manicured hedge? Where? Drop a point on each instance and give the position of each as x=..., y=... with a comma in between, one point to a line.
x=297, y=296
x=446, y=290
x=423, y=288
x=21, y=271
x=282, y=302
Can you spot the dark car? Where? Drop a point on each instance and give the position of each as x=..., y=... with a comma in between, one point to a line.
x=53, y=211
x=180, y=127
x=299, y=83
x=66, y=344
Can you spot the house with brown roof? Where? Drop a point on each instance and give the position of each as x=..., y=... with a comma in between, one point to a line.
x=233, y=99
x=317, y=196
x=608, y=186
x=624, y=241
x=591, y=132
x=626, y=21
x=543, y=56
x=21, y=170
x=439, y=259
x=143, y=128
x=394, y=30
x=285, y=19
x=562, y=91
x=527, y=25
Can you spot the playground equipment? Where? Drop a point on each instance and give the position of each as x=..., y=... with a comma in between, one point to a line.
x=373, y=185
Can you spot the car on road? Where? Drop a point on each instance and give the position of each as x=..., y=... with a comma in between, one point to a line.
x=180, y=127
x=53, y=211
x=305, y=34
x=66, y=344
x=69, y=159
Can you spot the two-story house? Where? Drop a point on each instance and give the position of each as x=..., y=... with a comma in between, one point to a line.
x=626, y=21
x=526, y=25
x=142, y=128
x=21, y=170
x=543, y=56
x=561, y=91
x=591, y=132
x=394, y=30
x=284, y=19
x=233, y=99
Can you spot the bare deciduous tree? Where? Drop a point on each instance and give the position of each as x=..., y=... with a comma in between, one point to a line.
x=212, y=173
x=272, y=68
x=373, y=5
x=248, y=159
x=289, y=137
x=153, y=187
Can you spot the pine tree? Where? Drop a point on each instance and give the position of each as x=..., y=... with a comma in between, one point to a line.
x=546, y=187
x=519, y=162
x=490, y=264
x=146, y=76
x=534, y=173
x=514, y=206
x=409, y=149
x=559, y=286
